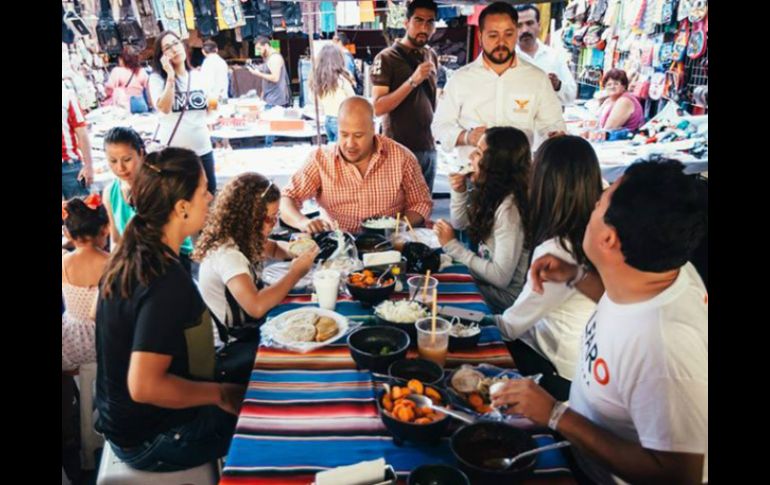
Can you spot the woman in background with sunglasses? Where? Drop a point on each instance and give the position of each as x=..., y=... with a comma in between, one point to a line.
x=231, y=249
x=181, y=95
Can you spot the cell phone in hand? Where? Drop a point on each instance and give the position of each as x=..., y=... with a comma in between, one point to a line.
x=82, y=182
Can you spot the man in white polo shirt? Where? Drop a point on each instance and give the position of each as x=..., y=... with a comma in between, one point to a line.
x=497, y=89
x=638, y=405
x=552, y=61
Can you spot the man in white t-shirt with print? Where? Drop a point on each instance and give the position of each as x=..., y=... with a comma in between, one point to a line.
x=638, y=408
x=497, y=89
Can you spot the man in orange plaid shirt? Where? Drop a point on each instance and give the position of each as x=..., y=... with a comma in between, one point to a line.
x=363, y=175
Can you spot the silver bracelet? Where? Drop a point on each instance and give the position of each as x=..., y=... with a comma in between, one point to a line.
x=559, y=408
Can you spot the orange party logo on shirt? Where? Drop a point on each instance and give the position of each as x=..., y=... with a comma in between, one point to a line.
x=521, y=106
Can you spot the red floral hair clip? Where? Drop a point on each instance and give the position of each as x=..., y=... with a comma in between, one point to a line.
x=93, y=201
x=64, y=213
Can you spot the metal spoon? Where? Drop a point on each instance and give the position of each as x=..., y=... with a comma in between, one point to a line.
x=426, y=402
x=504, y=463
x=379, y=280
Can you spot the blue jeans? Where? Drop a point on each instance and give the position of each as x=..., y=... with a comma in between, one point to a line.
x=202, y=440
x=331, y=129
x=427, y=161
x=70, y=185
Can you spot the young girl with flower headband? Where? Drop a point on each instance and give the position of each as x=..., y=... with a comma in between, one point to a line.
x=86, y=225
x=125, y=152
x=231, y=249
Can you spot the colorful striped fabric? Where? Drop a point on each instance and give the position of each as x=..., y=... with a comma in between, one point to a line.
x=305, y=413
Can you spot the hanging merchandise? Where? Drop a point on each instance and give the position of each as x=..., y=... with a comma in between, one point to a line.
x=147, y=18
x=292, y=14
x=447, y=13
x=189, y=15
x=67, y=36
x=170, y=14
x=328, y=17
x=366, y=11
x=311, y=20
x=205, y=21
x=638, y=23
x=229, y=14
x=396, y=15
x=259, y=20
x=698, y=10
x=597, y=10
x=696, y=46
x=657, y=83
x=130, y=31
x=680, y=43
x=593, y=37
x=107, y=30
x=348, y=14
x=684, y=9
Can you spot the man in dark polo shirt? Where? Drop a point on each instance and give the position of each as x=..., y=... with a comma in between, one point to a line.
x=404, y=86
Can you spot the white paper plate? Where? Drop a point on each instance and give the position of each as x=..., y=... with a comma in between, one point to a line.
x=273, y=329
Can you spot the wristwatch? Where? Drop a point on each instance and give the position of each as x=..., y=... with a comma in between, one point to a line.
x=412, y=83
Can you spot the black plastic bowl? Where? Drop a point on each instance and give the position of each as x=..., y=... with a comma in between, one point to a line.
x=328, y=244
x=437, y=475
x=365, y=344
x=475, y=443
x=417, y=433
x=464, y=343
x=423, y=370
x=370, y=242
x=372, y=296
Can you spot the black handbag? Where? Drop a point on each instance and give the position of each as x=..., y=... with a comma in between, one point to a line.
x=107, y=31
x=235, y=360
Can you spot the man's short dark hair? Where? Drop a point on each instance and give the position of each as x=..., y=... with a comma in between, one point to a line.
x=210, y=46
x=342, y=37
x=261, y=40
x=660, y=215
x=529, y=6
x=498, y=8
x=415, y=4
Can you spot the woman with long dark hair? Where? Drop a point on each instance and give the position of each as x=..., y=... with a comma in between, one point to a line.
x=566, y=184
x=158, y=406
x=181, y=96
x=333, y=83
x=494, y=213
x=128, y=80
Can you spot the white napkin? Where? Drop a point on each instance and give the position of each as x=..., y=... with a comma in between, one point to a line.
x=364, y=473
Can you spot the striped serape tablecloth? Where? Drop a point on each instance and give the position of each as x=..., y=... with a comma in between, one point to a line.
x=306, y=413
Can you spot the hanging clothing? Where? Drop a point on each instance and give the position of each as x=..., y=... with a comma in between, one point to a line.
x=366, y=11
x=170, y=14
x=311, y=20
x=292, y=14
x=258, y=18
x=204, y=18
x=147, y=18
x=396, y=15
x=348, y=14
x=229, y=14
x=328, y=17
x=189, y=15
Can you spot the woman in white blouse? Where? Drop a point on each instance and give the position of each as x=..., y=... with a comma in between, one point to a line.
x=546, y=328
x=494, y=214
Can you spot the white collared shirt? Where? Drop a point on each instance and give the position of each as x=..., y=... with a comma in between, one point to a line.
x=475, y=95
x=214, y=68
x=554, y=61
